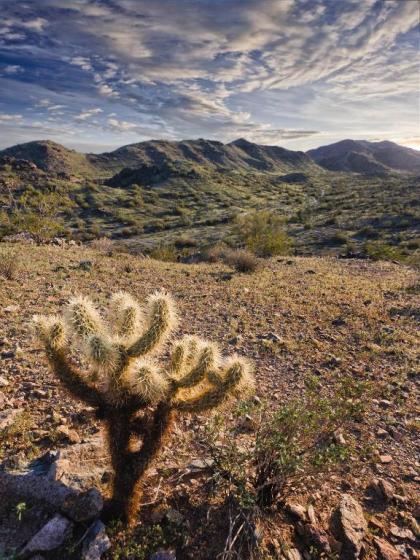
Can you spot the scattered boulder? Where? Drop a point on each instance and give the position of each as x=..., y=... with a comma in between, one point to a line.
x=297, y=511
x=50, y=537
x=316, y=537
x=402, y=533
x=96, y=542
x=350, y=525
x=85, y=506
x=386, y=551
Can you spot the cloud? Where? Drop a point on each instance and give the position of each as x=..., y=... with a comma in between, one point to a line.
x=12, y=69
x=10, y=118
x=272, y=69
x=107, y=91
x=84, y=115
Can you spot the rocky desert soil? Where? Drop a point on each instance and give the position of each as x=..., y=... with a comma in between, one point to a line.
x=294, y=317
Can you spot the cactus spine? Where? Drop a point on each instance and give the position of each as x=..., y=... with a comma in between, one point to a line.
x=135, y=398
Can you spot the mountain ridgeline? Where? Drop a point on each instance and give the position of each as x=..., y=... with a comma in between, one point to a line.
x=157, y=191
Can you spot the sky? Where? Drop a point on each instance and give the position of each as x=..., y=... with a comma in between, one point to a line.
x=97, y=74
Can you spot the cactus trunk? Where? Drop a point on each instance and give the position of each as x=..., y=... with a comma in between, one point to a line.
x=130, y=466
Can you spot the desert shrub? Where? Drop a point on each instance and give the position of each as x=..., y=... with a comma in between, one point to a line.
x=290, y=443
x=164, y=253
x=9, y=265
x=263, y=233
x=379, y=250
x=185, y=243
x=137, y=400
x=103, y=245
x=214, y=254
x=241, y=260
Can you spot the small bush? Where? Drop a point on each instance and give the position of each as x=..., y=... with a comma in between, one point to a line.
x=9, y=265
x=166, y=253
x=378, y=250
x=185, y=243
x=214, y=254
x=103, y=245
x=263, y=233
x=242, y=260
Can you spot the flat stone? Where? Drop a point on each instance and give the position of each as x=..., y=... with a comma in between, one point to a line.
x=96, y=542
x=51, y=536
x=85, y=506
x=385, y=459
x=297, y=510
x=385, y=550
x=351, y=526
x=3, y=382
x=402, y=533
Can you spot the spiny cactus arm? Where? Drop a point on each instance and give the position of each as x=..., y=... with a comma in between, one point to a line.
x=72, y=378
x=143, y=378
x=126, y=314
x=83, y=319
x=206, y=361
x=52, y=332
x=161, y=320
x=235, y=378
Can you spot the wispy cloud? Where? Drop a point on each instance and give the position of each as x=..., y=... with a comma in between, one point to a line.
x=285, y=72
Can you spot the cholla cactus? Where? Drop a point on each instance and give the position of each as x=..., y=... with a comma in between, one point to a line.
x=135, y=398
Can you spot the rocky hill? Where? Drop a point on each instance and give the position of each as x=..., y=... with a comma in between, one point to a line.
x=360, y=156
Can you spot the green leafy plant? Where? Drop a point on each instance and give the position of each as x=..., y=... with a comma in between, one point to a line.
x=20, y=510
x=263, y=233
x=135, y=398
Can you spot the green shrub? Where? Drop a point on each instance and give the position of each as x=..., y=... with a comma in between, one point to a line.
x=378, y=250
x=263, y=233
x=166, y=253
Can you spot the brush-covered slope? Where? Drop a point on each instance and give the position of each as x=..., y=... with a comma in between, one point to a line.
x=50, y=157
x=361, y=156
x=238, y=155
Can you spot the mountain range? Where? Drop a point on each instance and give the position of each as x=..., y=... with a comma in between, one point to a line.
x=155, y=192
x=241, y=155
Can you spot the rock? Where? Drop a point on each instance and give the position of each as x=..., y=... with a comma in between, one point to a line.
x=164, y=555
x=383, y=489
x=51, y=536
x=385, y=403
x=311, y=514
x=174, y=516
x=402, y=533
x=297, y=510
x=385, y=459
x=386, y=551
x=201, y=464
x=85, y=265
x=84, y=506
x=66, y=433
x=351, y=526
x=3, y=382
x=316, y=537
x=96, y=542
x=247, y=423
x=8, y=417
x=381, y=433
x=81, y=465
x=293, y=554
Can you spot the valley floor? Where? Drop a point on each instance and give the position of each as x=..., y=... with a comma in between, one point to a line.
x=293, y=318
